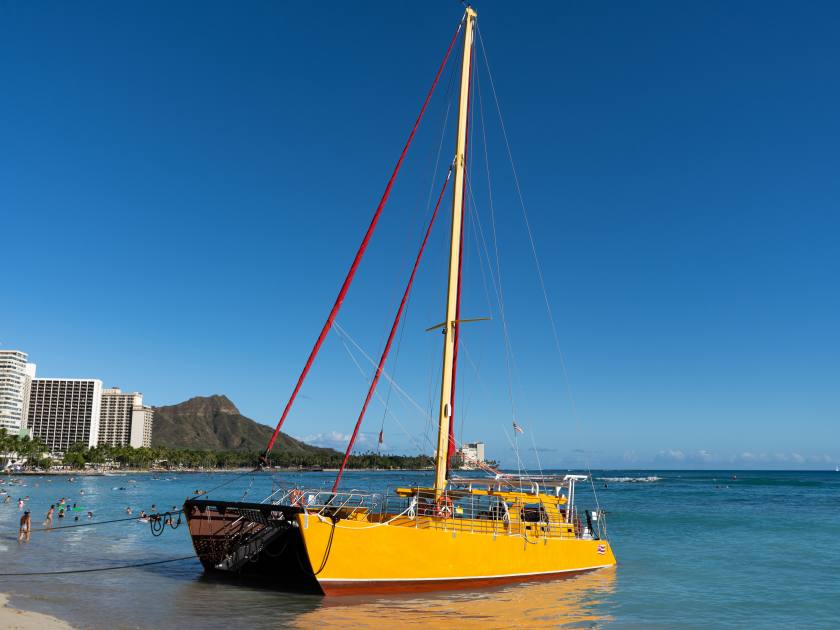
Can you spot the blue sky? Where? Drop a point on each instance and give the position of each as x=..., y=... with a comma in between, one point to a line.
x=182, y=187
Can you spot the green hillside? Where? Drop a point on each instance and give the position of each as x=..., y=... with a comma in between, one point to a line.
x=214, y=423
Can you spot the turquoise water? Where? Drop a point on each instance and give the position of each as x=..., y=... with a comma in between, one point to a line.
x=695, y=550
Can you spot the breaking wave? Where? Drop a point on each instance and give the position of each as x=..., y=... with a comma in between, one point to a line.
x=651, y=479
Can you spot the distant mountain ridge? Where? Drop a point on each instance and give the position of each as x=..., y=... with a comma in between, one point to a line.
x=214, y=423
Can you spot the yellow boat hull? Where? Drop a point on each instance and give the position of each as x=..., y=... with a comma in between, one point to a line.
x=357, y=555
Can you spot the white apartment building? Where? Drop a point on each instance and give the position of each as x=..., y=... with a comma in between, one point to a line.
x=123, y=420
x=471, y=455
x=148, y=419
x=27, y=388
x=63, y=412
x=15, y=375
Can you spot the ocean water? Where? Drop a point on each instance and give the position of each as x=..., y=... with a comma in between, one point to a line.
x=695, y=550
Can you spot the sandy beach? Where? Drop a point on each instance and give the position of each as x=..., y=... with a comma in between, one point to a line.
x=15, y=619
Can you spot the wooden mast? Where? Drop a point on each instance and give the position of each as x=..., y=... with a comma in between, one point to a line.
x=454, y=259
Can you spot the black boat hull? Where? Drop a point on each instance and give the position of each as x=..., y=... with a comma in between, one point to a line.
x=251, y=541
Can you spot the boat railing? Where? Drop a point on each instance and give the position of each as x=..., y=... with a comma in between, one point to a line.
x=532, y=517
x=459, y=511
x=319, y=501
x=276, y=497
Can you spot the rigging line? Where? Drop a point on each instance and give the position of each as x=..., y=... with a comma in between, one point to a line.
x=465, y=391
x=463, y=380
x=224, y=483
x=359, y=253
x=434, y=377
x=479, y=242
x=432, y=362
x=465, y=212
x=396, y=385
x=92, y=523
x=566, y=379
x=386, y=411
x=388, y=394
x=509, y=347
x=394, y=326
x=448, y=99
x=98, y=569
x=500, y=292
x=515, y=447
x=485, y=259
x=472, y=222
x=345, y=335
x=406, y=511
x=536, y=452
x=379, y=397
x=468, y=399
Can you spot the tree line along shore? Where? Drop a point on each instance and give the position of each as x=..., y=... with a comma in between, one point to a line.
x=34, y=454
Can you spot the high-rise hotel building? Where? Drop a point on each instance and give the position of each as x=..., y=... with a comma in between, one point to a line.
x=123, y=420
x=66, y=411
x=15, y=376
x=63, y=412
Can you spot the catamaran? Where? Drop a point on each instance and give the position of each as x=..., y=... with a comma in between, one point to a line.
x=457, y=532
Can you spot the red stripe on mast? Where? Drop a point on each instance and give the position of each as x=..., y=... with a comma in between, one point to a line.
x=391, y=335
x=359, y=254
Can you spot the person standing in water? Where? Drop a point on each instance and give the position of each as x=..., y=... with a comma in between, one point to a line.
x=48, y=521
x=25, y=530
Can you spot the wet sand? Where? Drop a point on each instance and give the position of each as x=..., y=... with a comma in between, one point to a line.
x=15, y=619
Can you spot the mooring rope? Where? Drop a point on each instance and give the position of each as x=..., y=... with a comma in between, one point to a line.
x=153, y=518
x=97, y=569
x=224, y=483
